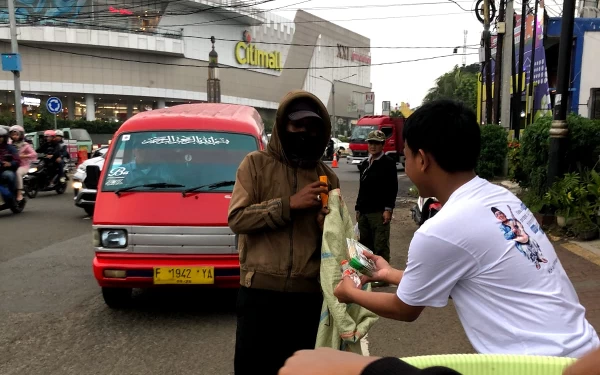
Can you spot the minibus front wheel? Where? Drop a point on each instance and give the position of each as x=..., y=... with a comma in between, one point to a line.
x=117, y=298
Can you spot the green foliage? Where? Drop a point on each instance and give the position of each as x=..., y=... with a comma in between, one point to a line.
x=494, y=148
x=458, y=84
x=576, y=196
x=394, y=114
x=581, y=153
x=515, y=163
x=565, y=194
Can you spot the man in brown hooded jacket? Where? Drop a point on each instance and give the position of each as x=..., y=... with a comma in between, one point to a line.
x=276, y=209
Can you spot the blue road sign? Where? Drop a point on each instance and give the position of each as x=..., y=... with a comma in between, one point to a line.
x=54, y=105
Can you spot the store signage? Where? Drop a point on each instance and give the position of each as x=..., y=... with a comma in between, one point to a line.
x=125, y=12
x=31, y=101
x=369, y=103
x=361, y=58
x=345, y=54
x=248, y=54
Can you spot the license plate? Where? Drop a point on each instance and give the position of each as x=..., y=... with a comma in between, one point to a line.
x=356, y=161
x=184, y=275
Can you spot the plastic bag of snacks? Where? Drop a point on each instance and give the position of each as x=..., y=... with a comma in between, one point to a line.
x=349, y=271
x=358, y=260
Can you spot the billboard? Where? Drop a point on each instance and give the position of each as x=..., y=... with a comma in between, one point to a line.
x=541, y=93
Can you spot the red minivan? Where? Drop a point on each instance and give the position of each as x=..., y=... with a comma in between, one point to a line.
x=163, y=195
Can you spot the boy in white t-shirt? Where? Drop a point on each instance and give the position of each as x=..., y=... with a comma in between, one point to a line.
x=484, y=249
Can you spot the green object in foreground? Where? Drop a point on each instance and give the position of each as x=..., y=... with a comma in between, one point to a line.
x=494, y=364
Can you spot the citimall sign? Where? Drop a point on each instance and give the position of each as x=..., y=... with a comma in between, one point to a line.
x=247, y=54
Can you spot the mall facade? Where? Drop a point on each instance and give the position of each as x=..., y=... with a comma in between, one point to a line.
x=111, y=59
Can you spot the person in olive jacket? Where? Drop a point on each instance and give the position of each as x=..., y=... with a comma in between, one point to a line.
x=376, y=197
x=276, y=210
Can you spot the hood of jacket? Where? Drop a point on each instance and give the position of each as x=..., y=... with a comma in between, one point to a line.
x=275, y=146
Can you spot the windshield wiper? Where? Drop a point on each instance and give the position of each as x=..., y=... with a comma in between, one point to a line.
x=212, y=186
x=155, y=186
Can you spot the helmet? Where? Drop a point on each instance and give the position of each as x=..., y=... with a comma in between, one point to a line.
x=49, y=133
x=17, y=128
x=59, y=133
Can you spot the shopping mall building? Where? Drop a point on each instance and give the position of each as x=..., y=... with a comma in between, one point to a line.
x=110, y=59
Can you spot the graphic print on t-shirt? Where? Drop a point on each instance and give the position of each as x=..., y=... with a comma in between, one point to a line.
x=514, y=230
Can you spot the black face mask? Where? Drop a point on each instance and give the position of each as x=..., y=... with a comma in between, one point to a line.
x=302, y=146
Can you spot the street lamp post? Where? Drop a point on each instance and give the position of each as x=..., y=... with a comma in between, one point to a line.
x=213, y=84
x=559, y=129
x=335, y=126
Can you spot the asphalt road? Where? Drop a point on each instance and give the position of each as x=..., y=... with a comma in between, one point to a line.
x=53, y=319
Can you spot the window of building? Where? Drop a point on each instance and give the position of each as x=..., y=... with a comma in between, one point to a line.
x=595, y=104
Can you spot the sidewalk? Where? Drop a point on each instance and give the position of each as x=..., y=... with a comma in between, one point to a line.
x=581, y=260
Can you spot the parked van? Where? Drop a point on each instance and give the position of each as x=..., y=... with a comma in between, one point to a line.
x=163, y=193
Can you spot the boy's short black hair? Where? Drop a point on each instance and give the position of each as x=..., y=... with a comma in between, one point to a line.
x=449, y=131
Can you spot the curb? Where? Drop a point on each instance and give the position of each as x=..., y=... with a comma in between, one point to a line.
x=583, y=251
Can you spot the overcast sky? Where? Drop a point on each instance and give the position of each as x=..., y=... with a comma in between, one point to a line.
x=403, y=23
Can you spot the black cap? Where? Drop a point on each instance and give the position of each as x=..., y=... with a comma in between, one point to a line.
x=301, y=109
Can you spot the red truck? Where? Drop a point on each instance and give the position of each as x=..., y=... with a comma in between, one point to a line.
x=394, y=144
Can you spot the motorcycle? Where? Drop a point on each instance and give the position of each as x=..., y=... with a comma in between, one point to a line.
x=8, y=200
x=42, y=177
x=425, y=209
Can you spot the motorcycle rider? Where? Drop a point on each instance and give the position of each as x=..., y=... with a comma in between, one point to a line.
x=47, y=146
x=53, y=154
x=9, y=161
x=63, y=152
x=26, y=153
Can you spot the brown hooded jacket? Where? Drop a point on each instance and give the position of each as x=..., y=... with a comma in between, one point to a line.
x=279, y=249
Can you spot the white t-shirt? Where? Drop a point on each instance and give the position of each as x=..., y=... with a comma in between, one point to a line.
x=510, y=290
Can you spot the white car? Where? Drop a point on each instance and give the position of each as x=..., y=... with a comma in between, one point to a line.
x=344, y=147
x=85, y=197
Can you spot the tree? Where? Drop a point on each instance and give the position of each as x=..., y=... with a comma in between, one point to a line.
x=458, y=84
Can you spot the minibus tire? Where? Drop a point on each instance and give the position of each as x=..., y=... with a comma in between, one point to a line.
x=117, y=298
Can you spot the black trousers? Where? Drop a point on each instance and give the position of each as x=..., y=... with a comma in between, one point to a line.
x=271, y=326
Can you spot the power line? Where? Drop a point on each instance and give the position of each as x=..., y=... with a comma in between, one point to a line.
x=238, y=68
x=475, y=46
x=286, y=22
x=376, y=6
x=222, y=9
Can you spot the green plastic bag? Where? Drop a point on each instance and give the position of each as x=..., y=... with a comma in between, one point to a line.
x=341, y=326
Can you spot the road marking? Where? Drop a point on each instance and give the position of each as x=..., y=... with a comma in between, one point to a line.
x=585, y=254
x=364, y=345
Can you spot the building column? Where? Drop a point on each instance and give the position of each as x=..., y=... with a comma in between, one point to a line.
x=71, y=107
x=161, y=103
x=129, y=108
x=90, y=107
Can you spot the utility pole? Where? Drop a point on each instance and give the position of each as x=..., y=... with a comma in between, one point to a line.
x=559, y=129
x=515, y=121
x=531, y=95
x=464, y=58
x=498, y=68
x=15, y=49
x=488, y=62
x=507, y=64
x=335, y=125
x=518, y=93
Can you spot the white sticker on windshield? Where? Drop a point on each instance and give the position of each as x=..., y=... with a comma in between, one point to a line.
x=118, y=172
x=185, y=140
x=126, y=137
x=114, y=181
